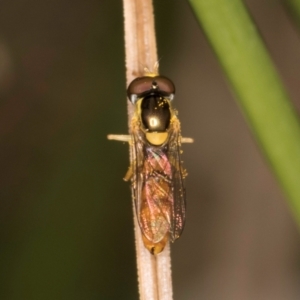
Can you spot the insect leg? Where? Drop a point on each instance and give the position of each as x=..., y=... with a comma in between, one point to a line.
x=128, y=174
x=187, y=140
x=119, y=137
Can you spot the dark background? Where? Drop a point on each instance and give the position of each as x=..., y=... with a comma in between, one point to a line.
x=66, y=216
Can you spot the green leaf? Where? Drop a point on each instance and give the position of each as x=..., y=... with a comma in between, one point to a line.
x=257, y=86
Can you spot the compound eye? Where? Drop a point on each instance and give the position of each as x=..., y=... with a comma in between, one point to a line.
x=147, y=85
x=165, y=85
x=139, y=86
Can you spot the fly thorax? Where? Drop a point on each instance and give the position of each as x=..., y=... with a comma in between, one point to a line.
x=155, y=116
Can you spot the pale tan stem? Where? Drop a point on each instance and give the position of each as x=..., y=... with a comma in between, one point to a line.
x=140, y=42
x=164, y=274
x=154, y=272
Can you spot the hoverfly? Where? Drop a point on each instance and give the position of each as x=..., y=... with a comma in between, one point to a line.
x=156, y=173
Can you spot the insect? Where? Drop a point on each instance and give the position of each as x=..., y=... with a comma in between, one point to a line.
x=156, y=173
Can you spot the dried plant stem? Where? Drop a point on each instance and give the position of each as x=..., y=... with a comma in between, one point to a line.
x=154, y=272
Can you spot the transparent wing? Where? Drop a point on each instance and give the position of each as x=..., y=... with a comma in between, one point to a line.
x=137, y=159
x=178, y=173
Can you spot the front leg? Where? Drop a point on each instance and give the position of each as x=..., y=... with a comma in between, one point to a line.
x=128, y=174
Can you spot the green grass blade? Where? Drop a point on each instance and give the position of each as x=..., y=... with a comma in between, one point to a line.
x=259, y=90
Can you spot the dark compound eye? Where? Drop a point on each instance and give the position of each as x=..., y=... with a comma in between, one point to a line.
x=147, y=85
x=165, y=85
x=139, y=86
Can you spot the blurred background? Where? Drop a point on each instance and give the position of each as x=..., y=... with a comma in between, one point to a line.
x=66, y=215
